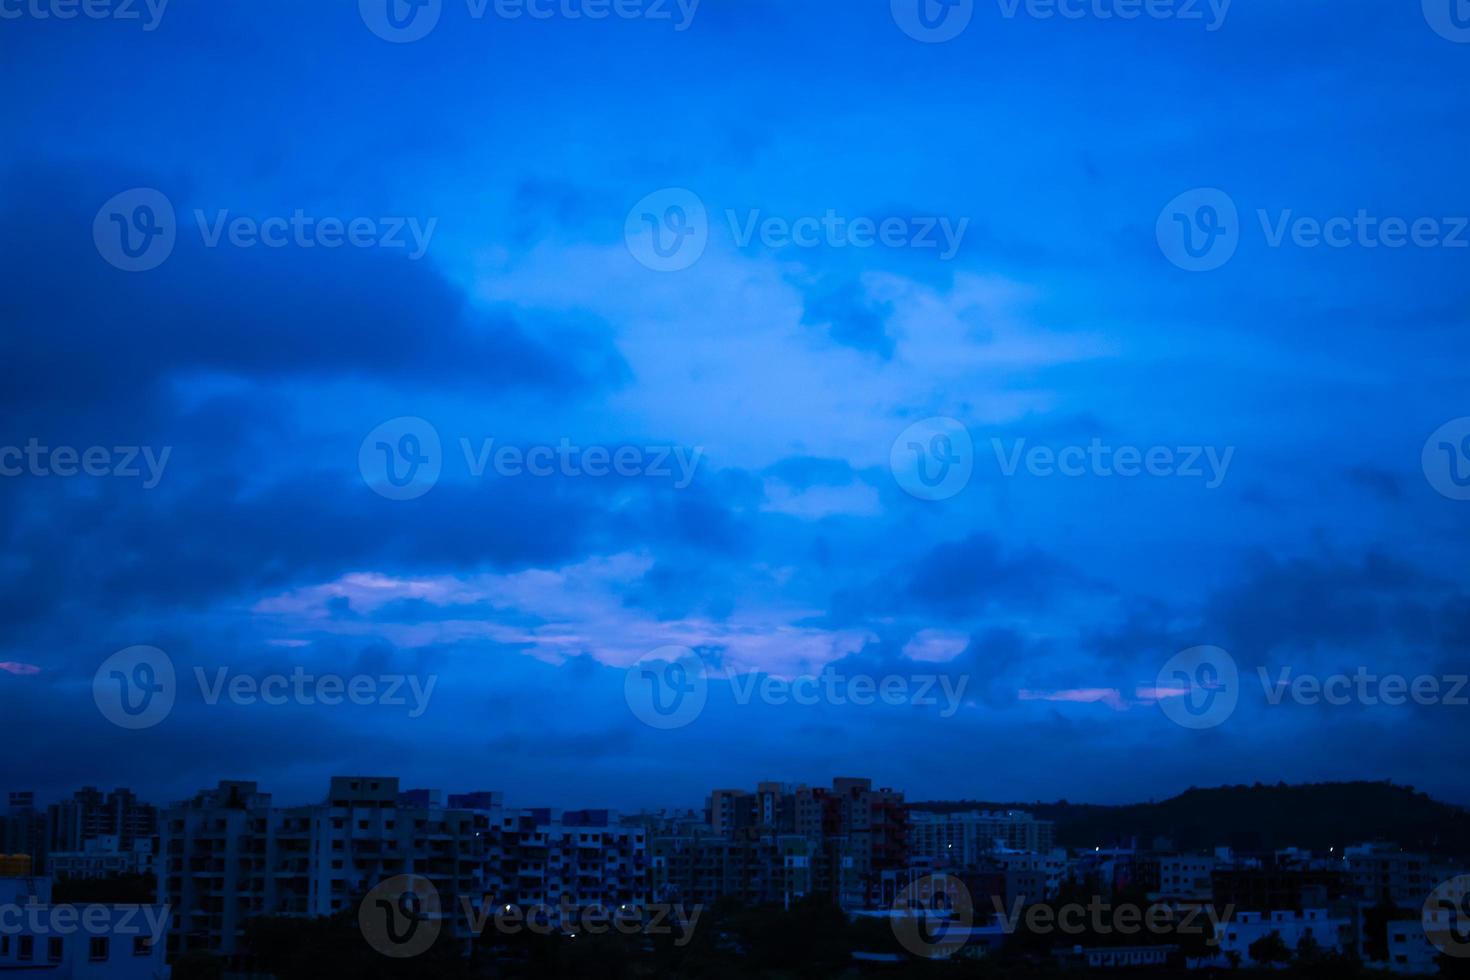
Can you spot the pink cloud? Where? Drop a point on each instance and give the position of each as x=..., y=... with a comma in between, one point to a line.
x=566, y=612
x=21, y=670
x=1082, y=695
x=936, y=646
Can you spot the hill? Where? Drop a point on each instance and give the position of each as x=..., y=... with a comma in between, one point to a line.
x=1315, y=816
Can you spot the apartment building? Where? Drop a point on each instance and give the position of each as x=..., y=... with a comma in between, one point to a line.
x=76, y=942
x=578, y=858
x=103, y=857
x=964, y=838
x=1052, y=866
x=855, y=831
x=1278, y=889
x=1331, y=933
x=70, y=824
x=753, y=869
x=23, y=829
x=229, y=854
x=1384, y=873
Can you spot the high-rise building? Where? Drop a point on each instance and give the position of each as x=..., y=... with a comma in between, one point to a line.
x=23, y=829
x=962, y=839
x=854, y=832
x=229, y=854
x=70, y=824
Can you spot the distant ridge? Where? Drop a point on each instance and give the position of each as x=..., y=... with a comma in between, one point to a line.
x=1315, y=816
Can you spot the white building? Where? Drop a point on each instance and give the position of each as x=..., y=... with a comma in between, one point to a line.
x=1409, y=948
x=1331, y=934
x=1384, y=872
x=77, y=942
x=962, y=838
x=229, y=854
x=102, y=857
x=1186, y=876
x=1053, y=864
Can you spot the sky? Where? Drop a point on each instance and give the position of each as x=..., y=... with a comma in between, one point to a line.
x=613, y=396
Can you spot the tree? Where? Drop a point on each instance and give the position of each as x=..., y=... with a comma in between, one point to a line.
x=1308, y=950
x=198, y=965
x=1270, y=950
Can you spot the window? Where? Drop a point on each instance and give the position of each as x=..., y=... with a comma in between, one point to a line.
x=97, y=949
x=142, y=946
x=25, y=948
x=53, y=949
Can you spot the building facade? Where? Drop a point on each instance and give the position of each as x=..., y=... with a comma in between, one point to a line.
x=77, y=942
x=230, y=854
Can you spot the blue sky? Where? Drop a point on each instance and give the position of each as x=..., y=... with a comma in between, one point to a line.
x=524, y=148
